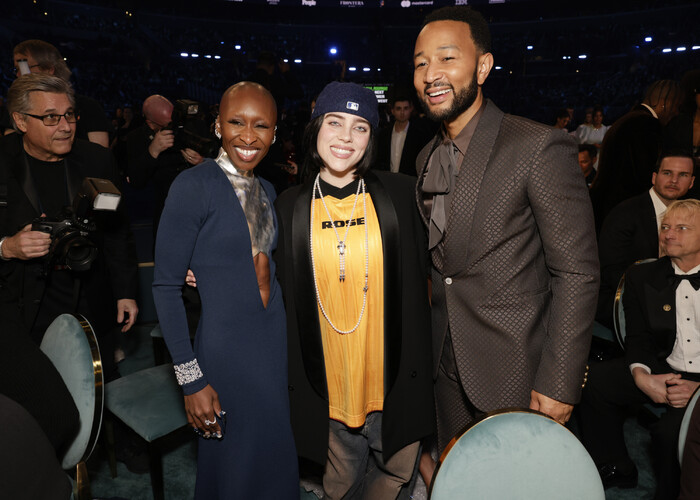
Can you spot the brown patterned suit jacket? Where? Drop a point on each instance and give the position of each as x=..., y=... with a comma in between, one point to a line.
x=519, y=282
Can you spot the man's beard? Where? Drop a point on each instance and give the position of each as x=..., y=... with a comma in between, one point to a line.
x=462, y=101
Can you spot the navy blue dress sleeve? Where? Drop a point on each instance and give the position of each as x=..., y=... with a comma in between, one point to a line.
x=185, y=213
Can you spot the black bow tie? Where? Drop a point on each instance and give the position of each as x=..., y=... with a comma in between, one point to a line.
x=694, y=280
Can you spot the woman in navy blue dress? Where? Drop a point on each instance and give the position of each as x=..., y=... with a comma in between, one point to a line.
x=219, y=221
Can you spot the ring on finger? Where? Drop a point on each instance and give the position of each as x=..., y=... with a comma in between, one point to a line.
x=210, y=422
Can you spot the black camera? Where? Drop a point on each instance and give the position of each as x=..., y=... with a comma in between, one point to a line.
x=191, y=125
x=71, y=231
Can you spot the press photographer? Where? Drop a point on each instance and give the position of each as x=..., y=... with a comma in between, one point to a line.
x=172, y=139
x=42, y=169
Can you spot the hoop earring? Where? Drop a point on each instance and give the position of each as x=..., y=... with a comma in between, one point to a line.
x=217, y=133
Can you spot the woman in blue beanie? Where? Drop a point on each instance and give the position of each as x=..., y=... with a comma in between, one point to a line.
x=353, y=268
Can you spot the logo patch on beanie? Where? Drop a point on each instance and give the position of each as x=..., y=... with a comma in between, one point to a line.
x=352, y=105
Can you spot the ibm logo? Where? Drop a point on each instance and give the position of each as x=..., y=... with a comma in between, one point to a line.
x=352, y=105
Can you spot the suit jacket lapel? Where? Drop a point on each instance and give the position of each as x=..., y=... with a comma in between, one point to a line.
x=466, y=191
x=649, y=224
x=661, y=294
x=389, y=224
x=305, y=297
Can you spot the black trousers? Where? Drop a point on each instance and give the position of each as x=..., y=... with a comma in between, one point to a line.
x=454, y=412
x=606, y=402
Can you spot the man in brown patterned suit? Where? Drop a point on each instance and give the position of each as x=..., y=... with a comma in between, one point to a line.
x=515, y=269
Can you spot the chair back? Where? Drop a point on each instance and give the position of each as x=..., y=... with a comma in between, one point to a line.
x=519, y=454
x=71, y=345
x=619, y=310
x=685, y=424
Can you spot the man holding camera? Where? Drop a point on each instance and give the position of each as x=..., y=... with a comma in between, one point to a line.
x=152, y=155
x=41, y=170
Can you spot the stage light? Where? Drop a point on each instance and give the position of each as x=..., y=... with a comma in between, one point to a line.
x=582, y=56
x=184, y=54
x=222, y=43
x=286, y=60
x=298, y=61
x=217, y=57
x=530, y=47
x=194, y=55
x=333, y=51
x=352, y=68
x=237, y=47
x=665, y=51
x=696, y=47
x=680, y=49
x=208, y=56
x=365, y=69
x=499, y=67
x=647, y=39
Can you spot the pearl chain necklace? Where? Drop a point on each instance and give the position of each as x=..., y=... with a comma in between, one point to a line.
x=341, y=250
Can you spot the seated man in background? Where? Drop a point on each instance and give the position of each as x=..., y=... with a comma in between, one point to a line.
x=587, y=157
x=662, y=357
x=630, y=231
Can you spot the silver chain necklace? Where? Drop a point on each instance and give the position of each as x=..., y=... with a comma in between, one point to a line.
x=341, y=249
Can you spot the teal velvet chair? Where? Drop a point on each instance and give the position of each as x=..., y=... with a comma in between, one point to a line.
x=685, y=423
x=149, y=402
x=72, y=347
x=519, y=454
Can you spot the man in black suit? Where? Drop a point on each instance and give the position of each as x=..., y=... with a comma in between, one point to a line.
x=400, y=143
x=42, y=168
x=631, y=147
x=662, y=357
x=630, y=231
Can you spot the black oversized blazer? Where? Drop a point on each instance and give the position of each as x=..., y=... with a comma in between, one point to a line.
x=408, y=405
x=113, y=275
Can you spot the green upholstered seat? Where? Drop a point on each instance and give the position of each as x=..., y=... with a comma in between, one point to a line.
x=603, y=332
x=519, y=454
x=72, y=347
x=148, y=401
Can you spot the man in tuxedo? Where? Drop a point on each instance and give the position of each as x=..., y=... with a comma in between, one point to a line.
x=662, y=357
x=631, y=147
x=515, y=268
x=630, y=231
x=400, y=143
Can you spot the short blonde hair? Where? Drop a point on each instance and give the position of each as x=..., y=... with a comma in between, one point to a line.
x=689, y=206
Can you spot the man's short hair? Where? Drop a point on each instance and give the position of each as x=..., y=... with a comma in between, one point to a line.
x=682, y=153
x=18, y=94
x=477, y=24
x=689, y=206
x=561, y=113
x=46, y=56
x=590, y=148
x=400, y=95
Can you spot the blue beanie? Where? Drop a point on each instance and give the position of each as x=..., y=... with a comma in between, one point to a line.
x=341, y=97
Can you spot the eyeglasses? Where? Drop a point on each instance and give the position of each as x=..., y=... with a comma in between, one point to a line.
x=54, y=118
x=17, y=70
